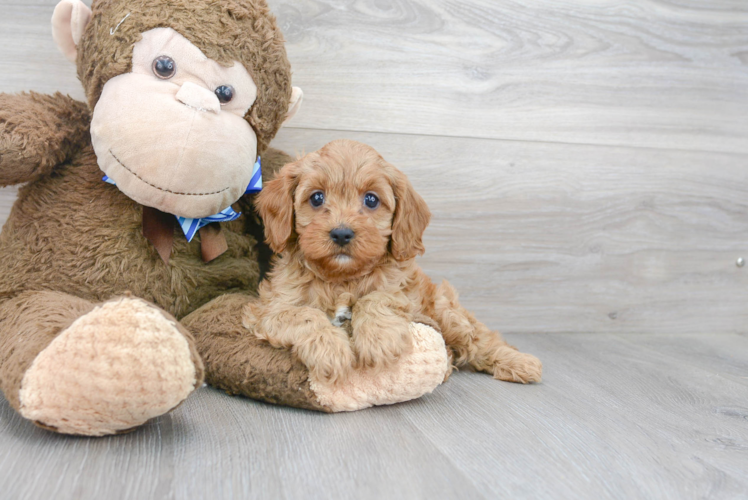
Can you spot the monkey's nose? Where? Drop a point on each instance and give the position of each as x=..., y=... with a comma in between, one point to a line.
x=198, y=97
x=342, y=235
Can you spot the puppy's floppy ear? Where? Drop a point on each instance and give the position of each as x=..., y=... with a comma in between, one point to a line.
x=275, y=206
x=412, y=215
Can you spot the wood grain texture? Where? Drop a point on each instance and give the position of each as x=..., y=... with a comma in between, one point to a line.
x=537, y=236
x=655, y=73
x=586, y=166
x=30, y=59
x=543, y=237
x=617, y=417
x=668, y=428
x=649, y=73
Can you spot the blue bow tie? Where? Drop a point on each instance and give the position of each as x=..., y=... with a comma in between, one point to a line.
x=191, y=226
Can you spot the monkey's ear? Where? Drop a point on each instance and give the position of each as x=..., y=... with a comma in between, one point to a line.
x=293, y=106
x=68, y=22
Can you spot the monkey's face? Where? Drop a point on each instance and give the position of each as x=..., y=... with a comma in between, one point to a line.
x=171, y=133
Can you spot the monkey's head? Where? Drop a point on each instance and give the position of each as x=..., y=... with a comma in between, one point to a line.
x=185, y=94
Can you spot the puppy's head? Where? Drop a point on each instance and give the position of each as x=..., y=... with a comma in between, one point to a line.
x=344, y=208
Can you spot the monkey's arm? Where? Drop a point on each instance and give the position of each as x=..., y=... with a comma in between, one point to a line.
x=37, y=133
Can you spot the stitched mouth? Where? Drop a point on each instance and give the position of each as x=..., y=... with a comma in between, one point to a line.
x=163, y=189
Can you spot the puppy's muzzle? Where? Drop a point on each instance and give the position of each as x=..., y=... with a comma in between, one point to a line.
x=341, y=236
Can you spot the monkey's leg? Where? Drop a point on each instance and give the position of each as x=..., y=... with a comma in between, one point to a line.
x=239, y=362
x=93, y=369
x=37, y=133
x=474, y=344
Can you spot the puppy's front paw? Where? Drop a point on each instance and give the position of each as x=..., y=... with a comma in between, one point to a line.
x=327, y=356
x=380, y=344
x=518, y=367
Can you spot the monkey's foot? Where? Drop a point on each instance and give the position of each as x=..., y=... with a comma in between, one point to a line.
x=110, y=371
x=416, y=373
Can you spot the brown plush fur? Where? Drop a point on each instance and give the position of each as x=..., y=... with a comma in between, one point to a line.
x=37, y=133
x=224, y=30
x=240, y=363
x=72, y=241
x=37, y=317
x=71, y=233
x=375, y=274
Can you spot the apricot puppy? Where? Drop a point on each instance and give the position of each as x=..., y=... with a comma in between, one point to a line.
x=347, y=226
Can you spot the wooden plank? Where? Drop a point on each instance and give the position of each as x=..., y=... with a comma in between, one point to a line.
x=30, y=59
x=540, y=236
x=567, y=238
x=215, y=446
x=644, y=73
x=724, y=356
x=613, y=419
x=664, y=74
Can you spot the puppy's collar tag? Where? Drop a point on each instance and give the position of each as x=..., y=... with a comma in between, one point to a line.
x=190, y=227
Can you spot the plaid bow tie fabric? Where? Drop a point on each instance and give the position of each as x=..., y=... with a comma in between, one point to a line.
x=190, y=227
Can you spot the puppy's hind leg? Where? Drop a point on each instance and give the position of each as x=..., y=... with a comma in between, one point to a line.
x=474, y=344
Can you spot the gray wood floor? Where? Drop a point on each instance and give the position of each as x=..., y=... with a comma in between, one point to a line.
x=618, y=416
x=586, y=162
x=587, y=166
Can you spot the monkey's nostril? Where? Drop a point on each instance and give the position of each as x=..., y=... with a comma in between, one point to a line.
x=342, y=235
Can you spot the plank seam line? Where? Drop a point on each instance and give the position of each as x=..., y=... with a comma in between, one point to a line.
x=585, y=144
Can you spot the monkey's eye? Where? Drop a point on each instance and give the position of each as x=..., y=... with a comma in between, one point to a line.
x=225, y=93
x=371, y=200
x=164, y=67
x=317, y=199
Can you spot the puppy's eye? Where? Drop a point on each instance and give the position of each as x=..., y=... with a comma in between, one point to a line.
x=317, y=199
x=225, y=93
x=371, y=200
x=164, y=67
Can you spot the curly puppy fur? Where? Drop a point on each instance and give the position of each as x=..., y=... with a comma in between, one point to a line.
x=373, y=279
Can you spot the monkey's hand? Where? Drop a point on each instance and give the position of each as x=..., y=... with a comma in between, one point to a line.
x=37, y=133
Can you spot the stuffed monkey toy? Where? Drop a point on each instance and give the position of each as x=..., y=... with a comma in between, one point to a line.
x=136, y=210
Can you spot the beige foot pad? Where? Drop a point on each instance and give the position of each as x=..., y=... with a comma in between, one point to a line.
x=415, y=375
x=111, y=370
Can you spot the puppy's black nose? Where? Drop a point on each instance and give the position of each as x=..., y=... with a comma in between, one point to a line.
x=342, y=235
